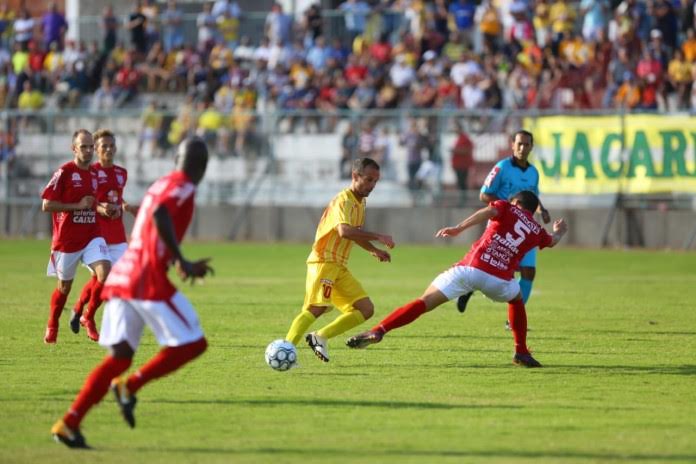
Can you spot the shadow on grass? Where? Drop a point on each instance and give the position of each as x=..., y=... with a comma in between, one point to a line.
x=338, y=403
x=353, y=453
x=642, y=331
x=686, y=369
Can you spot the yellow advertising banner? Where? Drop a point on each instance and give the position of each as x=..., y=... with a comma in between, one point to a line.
x=609, y=154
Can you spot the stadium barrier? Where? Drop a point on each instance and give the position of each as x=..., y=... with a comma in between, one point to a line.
x=623, y=179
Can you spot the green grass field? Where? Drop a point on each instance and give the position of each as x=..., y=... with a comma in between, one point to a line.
x=616, y=331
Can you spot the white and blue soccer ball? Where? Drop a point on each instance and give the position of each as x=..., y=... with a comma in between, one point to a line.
x=281, y=355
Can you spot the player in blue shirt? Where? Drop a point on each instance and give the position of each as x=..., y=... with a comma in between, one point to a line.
x=508, y=177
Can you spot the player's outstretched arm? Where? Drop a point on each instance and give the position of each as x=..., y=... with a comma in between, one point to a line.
x=186, y=269
x=353, y=233
x=480, y=216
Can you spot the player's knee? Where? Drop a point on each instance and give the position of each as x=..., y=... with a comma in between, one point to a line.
x=202, y=345
x=528, y=273
x=102, y=270
x=367, y=310
x=122, y=350
x=64, y=286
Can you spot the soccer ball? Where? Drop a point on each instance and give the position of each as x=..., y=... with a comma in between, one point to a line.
x=281, y=355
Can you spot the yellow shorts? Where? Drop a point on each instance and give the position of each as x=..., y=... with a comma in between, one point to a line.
x=331, y=284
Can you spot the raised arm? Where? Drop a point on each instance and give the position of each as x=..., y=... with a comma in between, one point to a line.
x=479, y=217
x=560, y=227
x=545, y=216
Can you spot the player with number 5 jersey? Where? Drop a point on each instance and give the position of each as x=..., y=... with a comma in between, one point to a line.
x=488, y=267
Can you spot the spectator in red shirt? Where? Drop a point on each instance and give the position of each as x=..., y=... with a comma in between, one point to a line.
x=462, y=161
x=381, y=50
x=355, y=71
x=127, y=80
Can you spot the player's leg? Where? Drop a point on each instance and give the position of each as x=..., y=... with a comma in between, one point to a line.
x=63, y=266
x=318, y=292
x=115, y=252
x=83, y=299
x=446, y=286
x=93, y=390
x=352, y=316
x=97, y=257
x=176, y=327
x=527, y=273
x=463, y=301
x=527, y=269
x=501, y=290
x=401, y=316
x=122, y=329
x=302, y=322
x=350, y=298
x=517, y=316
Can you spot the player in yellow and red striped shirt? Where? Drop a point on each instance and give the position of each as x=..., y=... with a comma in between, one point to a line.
x=329, y=282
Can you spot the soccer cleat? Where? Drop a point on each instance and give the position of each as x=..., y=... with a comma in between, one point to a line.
x=525, y=360
x=51, y=335
x=507, y=325
x=75, y=321
x=319, y=346
x=365, y=339
x=69, y=437
x=125, y=400
x=90, y=327
x=462, y=301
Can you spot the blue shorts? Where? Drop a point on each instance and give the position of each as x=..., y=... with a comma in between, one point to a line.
x=529, y=260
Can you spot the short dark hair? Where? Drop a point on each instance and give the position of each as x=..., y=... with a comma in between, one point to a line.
x=360, y=164
x=528, y=200
x=78, y=132
x=523, y=132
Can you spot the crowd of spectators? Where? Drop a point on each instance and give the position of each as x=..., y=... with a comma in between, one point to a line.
x=457, y=54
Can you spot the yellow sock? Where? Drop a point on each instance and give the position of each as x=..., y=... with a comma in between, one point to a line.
x=342, y=324
x=299, y=326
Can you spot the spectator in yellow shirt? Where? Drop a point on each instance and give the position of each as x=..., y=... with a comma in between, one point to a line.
x=30, y=99
x=680, y=80
x=212, y=127
x=689, y=46
x=562, y=17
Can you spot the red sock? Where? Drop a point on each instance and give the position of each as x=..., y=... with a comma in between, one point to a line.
x=57, y=303
x=166, y=361
x=401, y=316
x=95, y=387
x=94, y=300
x=518, y=322
x=85, y=295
